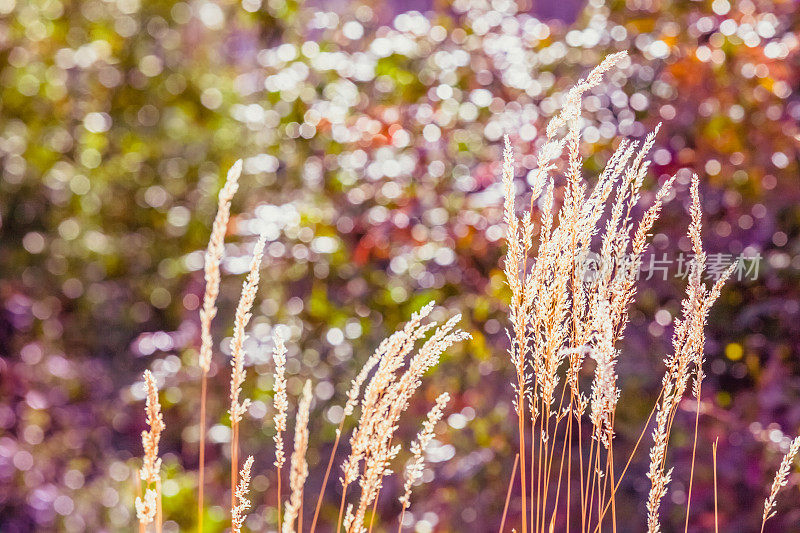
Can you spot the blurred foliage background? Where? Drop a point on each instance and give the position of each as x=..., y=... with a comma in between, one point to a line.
x=371, y=143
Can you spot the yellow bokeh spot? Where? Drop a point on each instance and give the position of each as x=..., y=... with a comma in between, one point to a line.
x=734, y=351
x=723, y=399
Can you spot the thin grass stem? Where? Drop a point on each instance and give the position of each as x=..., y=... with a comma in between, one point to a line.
x=327, y=474
x=202, y=455
x=508, y=494
x=694, y=452
x=714, y=459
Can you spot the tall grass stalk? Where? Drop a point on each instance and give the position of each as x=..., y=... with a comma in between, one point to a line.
x=780, y=481
x=238, y=373
x=213, y=258
x=148, y=507
x=281, y=405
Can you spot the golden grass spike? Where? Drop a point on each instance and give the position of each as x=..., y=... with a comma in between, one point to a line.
x=242, y=503
x=299, y=466
x=415, y=469
x=780, y=481
x=150, y=473
x=214, y=254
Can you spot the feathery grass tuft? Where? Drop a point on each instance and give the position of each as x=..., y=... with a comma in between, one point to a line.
x=147, y=507
x=415, y=469
x=299, y=466
x=780, y=480
x=242, y=503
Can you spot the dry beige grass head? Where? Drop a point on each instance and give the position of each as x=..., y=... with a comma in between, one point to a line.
x=150, y=473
